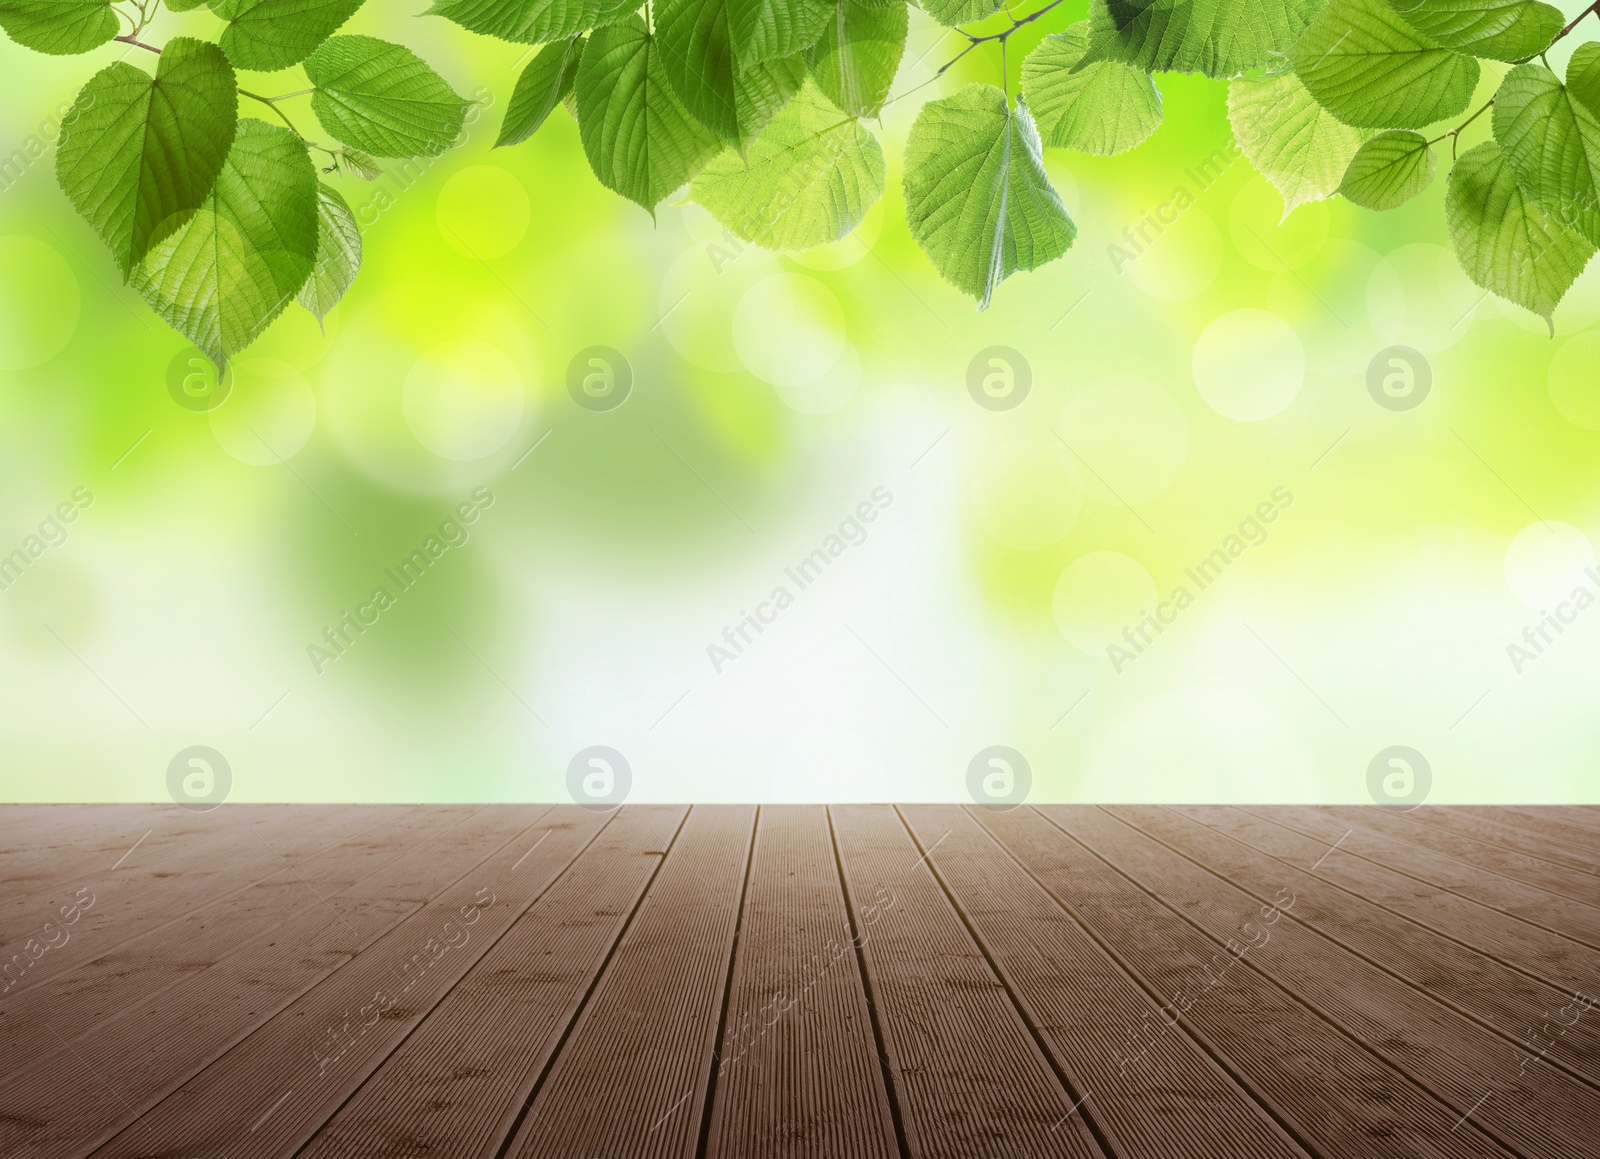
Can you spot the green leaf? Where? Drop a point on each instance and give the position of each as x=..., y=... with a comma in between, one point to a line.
x=267, y=35
x=1103, y=108
x=1297, y=144
x=383, y=99
x=1220, y=38
x=232, y=269
x=768, y=29
x=58, y=27
x=1583, y=76
x=547, y=79
x=1552, y=144
x=761, y=90
x=532, y=21
x=953, y=12
x=693, y=40
x=185, y=5
x=640, y=140
x=139, y=155
x=1505, y=242
x=807, y=180
x=338, y=254
x=1389, y=170
x=1509, y=30
x=977, y=197
x=355, y=163
x=1372, y=69
x=858, y=54
x=696, y=54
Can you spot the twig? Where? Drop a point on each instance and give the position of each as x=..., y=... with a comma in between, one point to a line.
x=974, y=40
x=1595, y=7
x=1455, y=133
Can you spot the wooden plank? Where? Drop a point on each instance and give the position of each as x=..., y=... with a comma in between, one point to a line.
x=1541, y=1113
x=201, y=866
x=1282, y=1049
x=798, y=1075
x=128, y=836
x=131, y=1062
x=1486, y=829
x=1541, y=820
x=1179, y=1101
x=1587, y=815
x=1373, y=913
x=35, y=837
x=1534, y=907
x=1518, y=867
x=634, y=1077
x=269, y=1091
x=75, y=1003
x=968, y=1077
x=456, y=1086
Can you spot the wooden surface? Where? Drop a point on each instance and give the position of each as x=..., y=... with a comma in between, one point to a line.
x=667, y=982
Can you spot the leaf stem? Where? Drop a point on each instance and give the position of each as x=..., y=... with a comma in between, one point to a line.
x=951, y=63
x=271, y=103
x=1455, y=133
x=917, y=88
x=137, y=43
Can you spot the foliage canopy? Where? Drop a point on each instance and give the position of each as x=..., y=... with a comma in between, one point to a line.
x=763, y=109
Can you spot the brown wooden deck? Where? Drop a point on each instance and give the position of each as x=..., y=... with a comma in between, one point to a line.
x=799, y=981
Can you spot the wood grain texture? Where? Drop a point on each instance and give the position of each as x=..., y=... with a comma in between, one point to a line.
x=1534, y=907
x=1469, y=980
x=1462, y=1062
x=647, y=1036
x=1543, y=820
x=969, y=1077
x=1563, y=964
x=1487, y=828
x=1510, y=863
x=1180, y=1101
x=129, y=1063
x=149, y=881
x=233, y=928
x=802, y=982
x=1287, y=1052
x=307, y=1060
x=455, y=1088
x=798, y=1075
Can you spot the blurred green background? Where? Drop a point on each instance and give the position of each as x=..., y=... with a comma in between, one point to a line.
x=1216, y=359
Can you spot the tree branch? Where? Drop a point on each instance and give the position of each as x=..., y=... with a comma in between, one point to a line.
x=137, y=43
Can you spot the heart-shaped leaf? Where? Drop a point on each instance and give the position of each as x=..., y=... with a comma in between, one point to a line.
x=139, y=154
x=977, y=197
